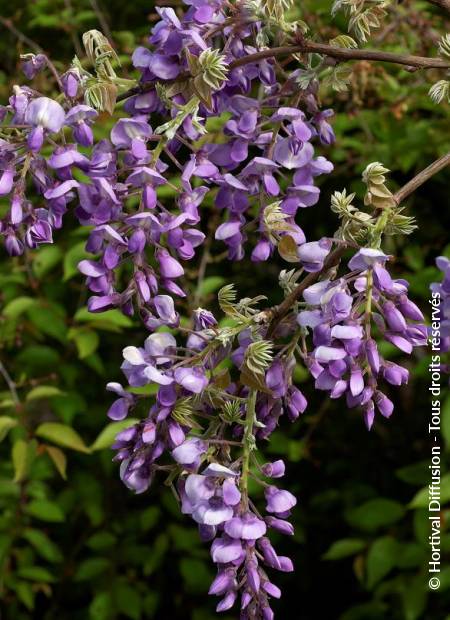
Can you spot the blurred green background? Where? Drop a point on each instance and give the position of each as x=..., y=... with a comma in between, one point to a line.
x=74, y=542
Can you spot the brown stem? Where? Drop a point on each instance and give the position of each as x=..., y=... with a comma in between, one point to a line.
x=277, y=313
x=342, y=53
x=72, y=29
x=10, y=383
x=32, y=45
x=443, y=4
x=421, y=178
x=101, y=19
x=420, y=62
x=7, y=23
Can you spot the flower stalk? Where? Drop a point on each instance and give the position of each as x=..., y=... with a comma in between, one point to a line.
x=248, y=445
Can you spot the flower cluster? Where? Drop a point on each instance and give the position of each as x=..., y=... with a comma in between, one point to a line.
x=240, y=547
x=257, y=176
x=340, y=315
x=181, y=436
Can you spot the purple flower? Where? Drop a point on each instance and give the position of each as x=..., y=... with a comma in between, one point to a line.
x=169, y=266
x=203, y=319
x=247, y=527
x=119, y=408
x=366, y=257
x=43, y=114
x=274, y=470
x=279, y=501
x=34, y=64
x=190, y=453
x=225, y=550
x=157, y=65
x=80, y=118
x=6, y=182
x=191, y=379
x=312, y=255
x=131, y=133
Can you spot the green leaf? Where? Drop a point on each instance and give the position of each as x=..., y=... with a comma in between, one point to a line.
x=145, y=390
x=76, y=254
x=344, y=548
x=375, y=513
x=417, y=473
x=101, y=541
x=381, y=559
x=18, y=306
x=414, y=597
x=6, y=401
x=38, y=359
x=84, y=16
x=95, y=362
x=45, y=510
x=445, y=579
x=107, y=436
x=46, y=259
x=62, y=435
x=421, y=499
x=35, y=573
x=69, y=405
x=211, y=284
x=86, y=340
x=101, y=607
x=59, y=460
x=43, y=391
x=90, y=568
x=25, y=594
x=21, y=459
x=48, y=319
x=128, y=601
x=195, y=574
x=149, y=517
x=111, y=317
x=43, y=545
x=6, y=424
x=411, y=554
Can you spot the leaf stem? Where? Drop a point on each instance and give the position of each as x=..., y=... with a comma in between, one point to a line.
x=10, y=383
x=249, y=444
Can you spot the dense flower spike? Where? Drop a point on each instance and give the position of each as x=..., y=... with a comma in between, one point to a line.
x=212, y=487
x=340, y=316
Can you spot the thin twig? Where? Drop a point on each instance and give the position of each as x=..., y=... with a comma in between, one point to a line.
x=101, y=19
x=344, y=54
x=277, y=313
x=73, y=30
x=10, y=383
x=20, y=35
x=33, y=45
x=443, y=4
x=421, y=178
